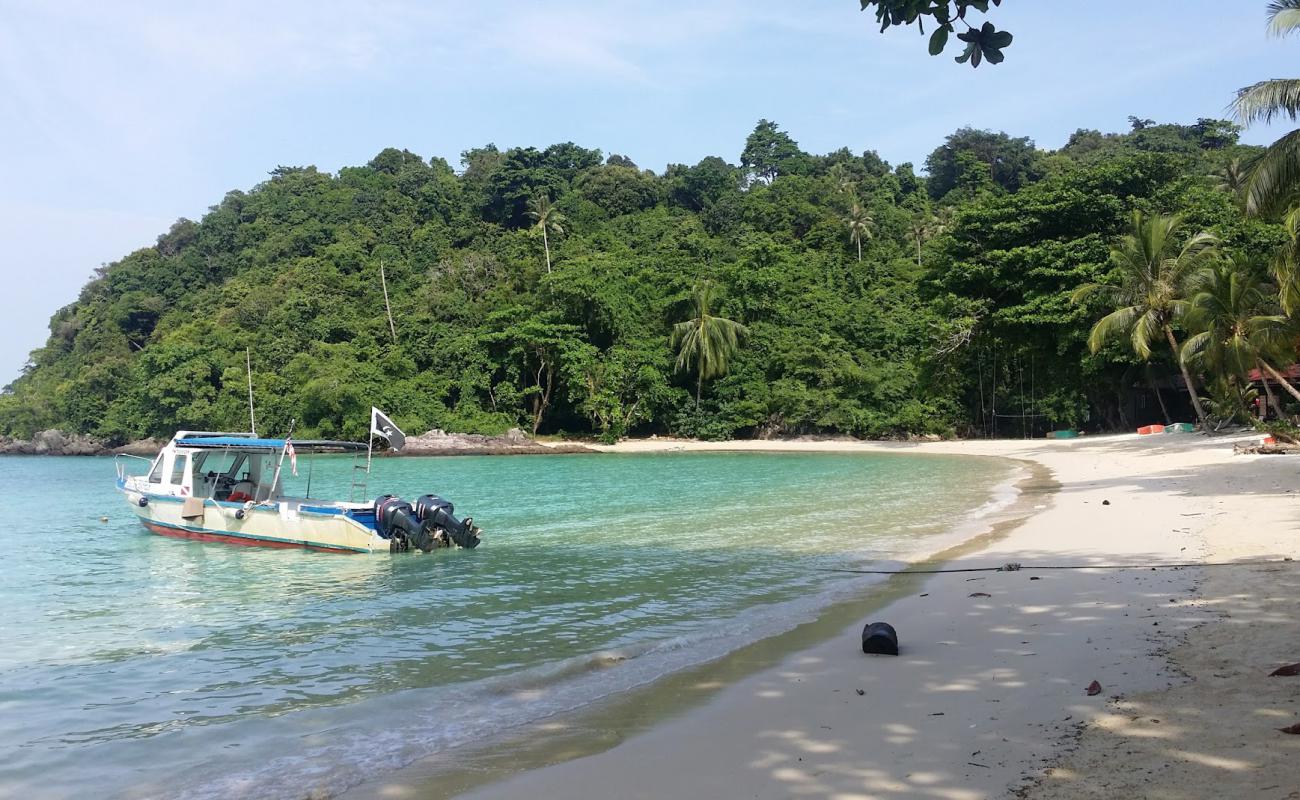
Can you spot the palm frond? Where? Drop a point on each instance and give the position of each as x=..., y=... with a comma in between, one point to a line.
x=1195, y=347
x=1148, y=328
x=1266, y=100
x=1275, y=175
x=1112, y=326
x=1283, y=17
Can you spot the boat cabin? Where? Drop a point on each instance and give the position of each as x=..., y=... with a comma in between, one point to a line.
x=228, y=467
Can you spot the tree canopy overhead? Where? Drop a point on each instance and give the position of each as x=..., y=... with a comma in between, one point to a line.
x=982, y=42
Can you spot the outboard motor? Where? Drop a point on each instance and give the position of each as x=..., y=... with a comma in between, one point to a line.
x=433, y=510
x=405, y=527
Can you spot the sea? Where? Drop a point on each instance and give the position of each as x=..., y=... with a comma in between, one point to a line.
x=133, y=665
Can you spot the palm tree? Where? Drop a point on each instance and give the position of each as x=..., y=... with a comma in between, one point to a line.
x=1153, y=272
x=859, y=222
x=925, y=226
x=1274, y=175
x=841, y=176
x=548, y=220
x=1236, y=329
x=704, y=342
x=1286, y=265
x=1233, y=177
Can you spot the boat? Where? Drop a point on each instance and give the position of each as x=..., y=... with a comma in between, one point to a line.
x=219, y=486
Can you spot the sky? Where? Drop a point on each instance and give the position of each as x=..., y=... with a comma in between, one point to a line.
x=118, y=118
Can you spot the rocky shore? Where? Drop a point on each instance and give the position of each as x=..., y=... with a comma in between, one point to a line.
x=514, y=442
x=58, y=443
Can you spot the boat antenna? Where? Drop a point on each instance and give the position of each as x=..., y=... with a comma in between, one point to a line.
x=248, y=362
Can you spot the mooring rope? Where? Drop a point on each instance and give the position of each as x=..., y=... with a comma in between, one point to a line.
x=1014, y=567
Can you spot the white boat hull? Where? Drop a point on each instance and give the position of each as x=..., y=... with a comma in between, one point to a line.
x=283, y=523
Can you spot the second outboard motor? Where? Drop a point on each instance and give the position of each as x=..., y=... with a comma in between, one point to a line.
x=439, y=513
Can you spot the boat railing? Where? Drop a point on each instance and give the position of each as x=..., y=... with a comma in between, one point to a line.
x=121, y=465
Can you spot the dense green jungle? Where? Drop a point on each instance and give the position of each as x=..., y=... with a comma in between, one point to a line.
x=778, y=293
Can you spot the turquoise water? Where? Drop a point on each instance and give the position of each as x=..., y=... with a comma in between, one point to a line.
x=138, y=666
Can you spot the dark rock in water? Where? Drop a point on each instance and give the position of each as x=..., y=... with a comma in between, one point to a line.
x=880, y=638
x=1105, y=502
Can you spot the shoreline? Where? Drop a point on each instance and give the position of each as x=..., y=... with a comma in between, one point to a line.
x=988, y=696
x=609, y=721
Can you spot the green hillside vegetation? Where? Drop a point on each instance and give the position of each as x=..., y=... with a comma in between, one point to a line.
x=542, y=289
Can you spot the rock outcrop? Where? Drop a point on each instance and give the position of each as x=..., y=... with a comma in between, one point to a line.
x=513, y=442
x=57, y=443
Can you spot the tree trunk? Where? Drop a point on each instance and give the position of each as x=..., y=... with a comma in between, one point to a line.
x=1159, y=397
x=859, y=249
x=918, y=251
x=1187, y=378
x=1282, y=381
x=699, y=386
x=383, y=279
x=547, y=244
x=1268, y=390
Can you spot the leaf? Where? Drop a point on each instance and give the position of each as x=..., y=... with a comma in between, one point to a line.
x=1094, y=689
x=999, y=40
x=1295, y=729
x=938, y=40
x=1288, y=671
x=993, y=56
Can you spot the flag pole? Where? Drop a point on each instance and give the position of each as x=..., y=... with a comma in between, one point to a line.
x=370, y=440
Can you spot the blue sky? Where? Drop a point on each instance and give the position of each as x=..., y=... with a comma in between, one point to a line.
x=120, y=117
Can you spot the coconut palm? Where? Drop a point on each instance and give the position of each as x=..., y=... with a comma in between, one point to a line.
x=1232, y=177
x=1274, y=180
x=925, y=226
x=1153, y=271
x=706, y=343
x=1237, y=330
x=841, y=176
x=858, y=221
x=548, y=219
x=1286, y=265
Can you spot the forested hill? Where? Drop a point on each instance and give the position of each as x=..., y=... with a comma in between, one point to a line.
x=540, y=288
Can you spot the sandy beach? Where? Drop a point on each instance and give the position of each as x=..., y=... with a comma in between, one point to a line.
x=989, y=695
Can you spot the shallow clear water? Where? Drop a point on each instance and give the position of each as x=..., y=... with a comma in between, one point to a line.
x=135, y=665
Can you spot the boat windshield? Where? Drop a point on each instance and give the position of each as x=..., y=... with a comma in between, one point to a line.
x=233, y=476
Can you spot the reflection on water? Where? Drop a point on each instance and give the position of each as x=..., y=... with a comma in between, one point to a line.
x=179, y=668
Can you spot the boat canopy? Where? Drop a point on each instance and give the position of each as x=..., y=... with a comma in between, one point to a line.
x=251, y=443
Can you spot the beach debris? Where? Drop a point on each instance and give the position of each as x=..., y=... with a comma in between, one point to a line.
x=1010, y=566
x=979, y=594
x=1290, y=670
x=861, y=692
x=1105, y=502
x=880, y=638
x=1291, y=729
x=1035, y=578
x=1094, y=689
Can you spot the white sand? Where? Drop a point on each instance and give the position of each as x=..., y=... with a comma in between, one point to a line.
x=989, y=696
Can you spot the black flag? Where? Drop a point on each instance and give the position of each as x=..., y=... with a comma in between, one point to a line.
x=381, y=425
